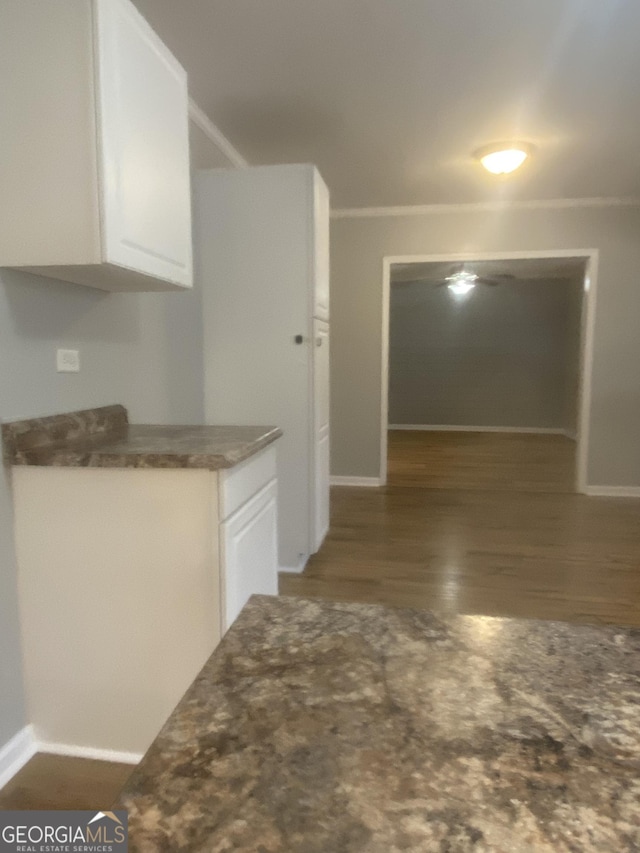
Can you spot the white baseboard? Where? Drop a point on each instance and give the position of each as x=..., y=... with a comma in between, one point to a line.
x=89, y=752
x=15, y=754
x=365, y=482
x=458, y=428
x=24, y=745
x=613, y=491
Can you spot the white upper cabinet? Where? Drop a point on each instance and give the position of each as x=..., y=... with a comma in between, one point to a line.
x=145, y=146
x=94, y=154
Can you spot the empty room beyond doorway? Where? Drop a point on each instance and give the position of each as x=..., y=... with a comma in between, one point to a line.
x=484, y=373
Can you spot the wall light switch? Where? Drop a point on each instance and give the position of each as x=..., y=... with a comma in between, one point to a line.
x=68, y=361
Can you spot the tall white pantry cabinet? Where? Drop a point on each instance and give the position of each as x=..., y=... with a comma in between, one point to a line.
x=261, y=245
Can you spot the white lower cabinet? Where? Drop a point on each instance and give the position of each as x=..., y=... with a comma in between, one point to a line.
x=127, y=580
x=249, y=551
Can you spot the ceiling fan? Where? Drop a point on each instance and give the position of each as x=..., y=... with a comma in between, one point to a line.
x=462, y=281
x=459, y=279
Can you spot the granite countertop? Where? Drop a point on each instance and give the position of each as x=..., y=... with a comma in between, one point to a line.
x=321, y=727
x=104, y=438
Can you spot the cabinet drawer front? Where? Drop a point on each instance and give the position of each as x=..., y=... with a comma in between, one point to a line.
x=239, y=484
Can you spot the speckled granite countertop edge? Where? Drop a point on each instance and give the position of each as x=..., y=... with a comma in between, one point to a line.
x=103, y=438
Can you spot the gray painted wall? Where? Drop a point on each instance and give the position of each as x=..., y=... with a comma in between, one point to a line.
x=358, y=246
x=142, y=350
x=500, y=356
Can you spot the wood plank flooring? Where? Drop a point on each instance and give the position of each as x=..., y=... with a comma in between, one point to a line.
x=61, y=782
x=483, y=461
x=456, y=536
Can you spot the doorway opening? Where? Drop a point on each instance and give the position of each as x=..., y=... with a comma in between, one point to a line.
x=486, y=371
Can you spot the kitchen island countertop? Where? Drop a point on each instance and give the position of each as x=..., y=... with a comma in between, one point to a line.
x=322, y=727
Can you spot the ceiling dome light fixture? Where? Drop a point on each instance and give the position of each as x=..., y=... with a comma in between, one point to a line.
x=504, y=157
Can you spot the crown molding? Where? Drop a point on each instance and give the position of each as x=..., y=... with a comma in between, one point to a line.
x=483, y=207
x=202, y=120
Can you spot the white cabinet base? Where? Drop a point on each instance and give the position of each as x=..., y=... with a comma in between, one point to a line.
x=119, y=598
x=122, y=590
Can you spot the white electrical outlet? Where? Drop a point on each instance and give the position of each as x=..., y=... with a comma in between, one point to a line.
x=68, y=361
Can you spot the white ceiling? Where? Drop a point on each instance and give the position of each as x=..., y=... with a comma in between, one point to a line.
x=390, y=97
x=525, y=269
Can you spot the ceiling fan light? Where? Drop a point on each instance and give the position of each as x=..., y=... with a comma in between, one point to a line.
x=461, y=283
x=461, y=287
x=505, y=158
x=463, y=275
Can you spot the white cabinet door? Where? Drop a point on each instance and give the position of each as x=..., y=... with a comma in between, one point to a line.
x=94, y=124
x=143, y=147
x=249, y=551
x=320, y=442
x=320, y=248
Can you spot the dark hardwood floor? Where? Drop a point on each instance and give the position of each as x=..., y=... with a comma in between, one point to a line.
x=481, y=523
x=484, y=461
x=60, y=782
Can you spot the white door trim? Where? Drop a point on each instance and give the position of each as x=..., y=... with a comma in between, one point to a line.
x=586, y=338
